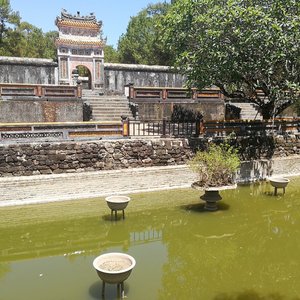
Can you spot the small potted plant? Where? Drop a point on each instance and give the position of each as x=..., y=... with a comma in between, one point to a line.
x=216, y=168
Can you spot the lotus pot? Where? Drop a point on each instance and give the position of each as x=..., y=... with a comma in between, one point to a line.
x=114, y=267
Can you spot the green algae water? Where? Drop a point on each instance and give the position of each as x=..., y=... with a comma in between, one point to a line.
x=247, y=250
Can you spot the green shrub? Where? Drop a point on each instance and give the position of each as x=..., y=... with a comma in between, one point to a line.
x=216, y=166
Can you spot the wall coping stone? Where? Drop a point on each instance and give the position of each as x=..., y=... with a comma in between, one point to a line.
x=6, y=60
x=136, y=67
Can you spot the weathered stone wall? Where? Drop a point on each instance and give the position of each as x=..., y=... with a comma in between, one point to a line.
x=27, y=70
x=43, y=71
x=46, y=158
x=13, y=111
x=116, y=76
x=67, y=157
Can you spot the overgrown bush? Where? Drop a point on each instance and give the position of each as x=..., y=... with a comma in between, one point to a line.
x=182, y=114
x=87, y=112
x=216, y=166
x=232, y=112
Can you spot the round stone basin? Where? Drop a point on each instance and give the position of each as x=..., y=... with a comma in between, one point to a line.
x=279, y=182
x=114, y=267
x=117, y=202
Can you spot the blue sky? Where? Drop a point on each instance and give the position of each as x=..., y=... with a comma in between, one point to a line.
x=115, y=14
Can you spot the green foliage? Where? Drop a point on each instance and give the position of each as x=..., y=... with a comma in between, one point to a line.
x=216, y=166
x=141, y=43
x=297, y=108
x=7, y=17
x=22, y=39
x=239, y=46
x=111, y=54
x=83, y=71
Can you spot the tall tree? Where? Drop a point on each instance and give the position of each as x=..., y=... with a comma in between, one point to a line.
x=22, y=39
x=240, y=46
x=140, y=44
x=50, y=48
x=7, y=17
x=111, y=54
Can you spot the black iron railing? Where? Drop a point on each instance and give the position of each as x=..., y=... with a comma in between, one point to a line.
x=161, y=128
x=164, y=128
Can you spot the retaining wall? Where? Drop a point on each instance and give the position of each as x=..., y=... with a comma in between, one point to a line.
x=71, y=157
x=27, y=111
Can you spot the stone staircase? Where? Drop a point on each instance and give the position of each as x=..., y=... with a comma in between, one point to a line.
x=106, y=108
x=249, y=111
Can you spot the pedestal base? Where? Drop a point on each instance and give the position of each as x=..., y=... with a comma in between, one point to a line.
x=120, y=289
x=211, y=198
x=115, y=211
x=276, y=188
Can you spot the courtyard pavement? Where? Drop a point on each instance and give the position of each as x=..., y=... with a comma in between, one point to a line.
x=49, y=188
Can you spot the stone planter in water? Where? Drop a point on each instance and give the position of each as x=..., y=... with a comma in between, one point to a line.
x=116, y=203
x=279, y=182
x=114, y=268
x=211, y=195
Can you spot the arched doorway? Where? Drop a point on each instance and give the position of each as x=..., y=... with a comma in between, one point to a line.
x=80, y=44
x=85, y=77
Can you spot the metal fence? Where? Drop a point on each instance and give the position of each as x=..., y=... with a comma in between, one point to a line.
x=211, y=128
x=162, y=128
x=250, y=127
x=27, y=132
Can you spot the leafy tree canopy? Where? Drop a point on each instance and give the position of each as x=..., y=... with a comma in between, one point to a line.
x=111, y=54
x=7, y=17
x=22, y=39
x=241, y=46
x=140, y=44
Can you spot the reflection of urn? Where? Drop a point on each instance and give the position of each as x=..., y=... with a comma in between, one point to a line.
x=114, y=268
x=279, y=182
x=211, y=195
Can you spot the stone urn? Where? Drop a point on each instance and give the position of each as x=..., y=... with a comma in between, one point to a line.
x=114, y=268
x=116, y=203
x=212, y=195
x=279, y=182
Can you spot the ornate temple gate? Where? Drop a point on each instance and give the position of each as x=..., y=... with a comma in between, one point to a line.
x=80, y=43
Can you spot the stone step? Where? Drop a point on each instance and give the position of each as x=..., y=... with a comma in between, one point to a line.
x=118, y=116
x=113, y=108
x=108, y=104
x=106, y=108
x=249, y=111
x=99, y=98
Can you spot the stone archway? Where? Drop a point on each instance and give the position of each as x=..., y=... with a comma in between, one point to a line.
x=80, y=44
x=85, y=77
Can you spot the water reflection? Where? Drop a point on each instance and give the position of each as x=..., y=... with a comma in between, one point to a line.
x=249, y=249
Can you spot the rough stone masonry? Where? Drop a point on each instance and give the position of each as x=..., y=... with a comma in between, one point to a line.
x=85, y=156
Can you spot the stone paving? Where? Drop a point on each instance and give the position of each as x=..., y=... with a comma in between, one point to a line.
x=71, y=186
x=49, y=188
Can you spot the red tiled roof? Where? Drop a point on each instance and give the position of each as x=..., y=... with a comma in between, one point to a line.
x=79, y=43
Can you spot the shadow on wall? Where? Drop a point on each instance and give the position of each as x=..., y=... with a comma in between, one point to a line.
x=250, y=147
x=87, y=112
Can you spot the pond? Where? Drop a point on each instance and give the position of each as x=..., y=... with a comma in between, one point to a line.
x=248, y=249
